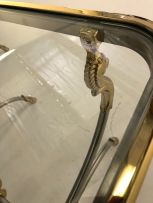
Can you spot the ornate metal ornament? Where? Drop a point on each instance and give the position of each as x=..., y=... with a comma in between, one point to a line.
x=95, y=68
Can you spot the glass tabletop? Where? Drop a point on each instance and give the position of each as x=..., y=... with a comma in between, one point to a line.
x=43, y=145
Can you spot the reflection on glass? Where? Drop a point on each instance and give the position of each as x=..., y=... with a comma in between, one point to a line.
x=4, y=55
x=123, y=181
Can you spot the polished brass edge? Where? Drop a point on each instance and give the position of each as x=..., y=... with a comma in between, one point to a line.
x=145, y=138
x=125, y=187
x=101, y=15
x=95, y=68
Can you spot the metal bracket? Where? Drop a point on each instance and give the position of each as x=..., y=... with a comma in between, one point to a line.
x=95, y=68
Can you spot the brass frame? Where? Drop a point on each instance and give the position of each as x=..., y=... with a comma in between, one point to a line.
x=136, y=149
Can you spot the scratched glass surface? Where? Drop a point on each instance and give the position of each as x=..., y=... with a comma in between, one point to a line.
x=42, y=146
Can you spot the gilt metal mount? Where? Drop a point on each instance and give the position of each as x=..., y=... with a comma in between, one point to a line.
x=95, y=67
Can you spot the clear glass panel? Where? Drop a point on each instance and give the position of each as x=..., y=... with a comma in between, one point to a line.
x=43, y=146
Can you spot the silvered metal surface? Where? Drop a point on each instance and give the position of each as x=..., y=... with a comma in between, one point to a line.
x=90, y=157
x=129, y=31
x=113, y=141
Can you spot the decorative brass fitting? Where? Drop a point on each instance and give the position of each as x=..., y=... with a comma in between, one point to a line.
x=95, y=67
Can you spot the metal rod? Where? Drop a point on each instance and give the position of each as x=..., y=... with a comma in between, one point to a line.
x=90, y=157
x=125, y=176
x=29, y=99
x=113, y=141
x=95, y=67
